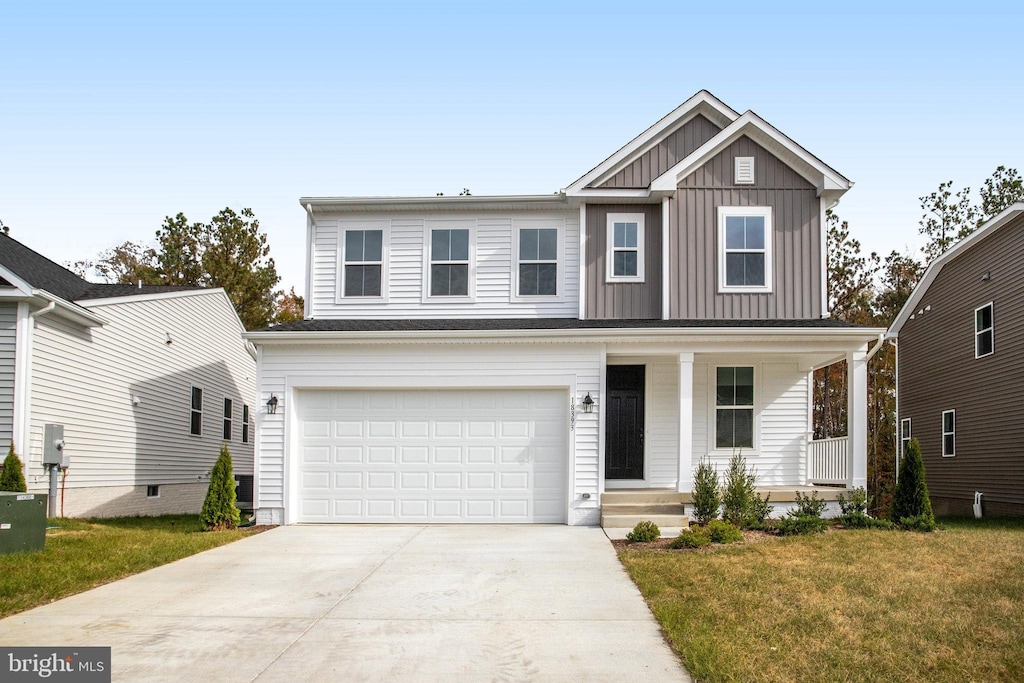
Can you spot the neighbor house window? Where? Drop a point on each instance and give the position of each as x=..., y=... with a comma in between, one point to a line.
x=948, y=433
x=364, y=262
x=734, y=407
x=625, y=247
x=197, y=411
x=538, y=262
x=904, y=435
x=449, y=262
x=983, y=327
x=744, y=248
x=245, y=423
x=227, y=419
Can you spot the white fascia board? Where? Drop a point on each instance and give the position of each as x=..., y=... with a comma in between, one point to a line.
x=808, y=166
x=703, y=102
x=455, y=203
x=67, y=309
x=1001, y=219
x=159, y=296
x=22, y=286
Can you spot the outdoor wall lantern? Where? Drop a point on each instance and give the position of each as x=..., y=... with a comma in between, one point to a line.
x=272, y=404
x=588, y=404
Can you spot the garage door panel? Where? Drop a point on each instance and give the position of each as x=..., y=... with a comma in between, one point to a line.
x=432, y=456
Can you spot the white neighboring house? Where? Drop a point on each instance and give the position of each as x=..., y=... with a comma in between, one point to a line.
x=147, y=383
x=570, y=357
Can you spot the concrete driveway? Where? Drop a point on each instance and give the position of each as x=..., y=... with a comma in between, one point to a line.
x=372, y=603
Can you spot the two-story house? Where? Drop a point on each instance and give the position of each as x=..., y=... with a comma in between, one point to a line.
x=521, y=358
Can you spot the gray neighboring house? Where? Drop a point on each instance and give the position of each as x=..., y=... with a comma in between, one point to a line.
x=147, y=382
x=961, y=370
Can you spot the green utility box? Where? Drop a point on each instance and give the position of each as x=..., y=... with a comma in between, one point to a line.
x=22, y=522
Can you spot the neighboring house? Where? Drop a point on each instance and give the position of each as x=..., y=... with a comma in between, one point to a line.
x=960, y=364
x=147, y=383
x=526, y=358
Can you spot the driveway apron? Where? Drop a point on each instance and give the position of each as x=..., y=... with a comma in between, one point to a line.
x=372, y=603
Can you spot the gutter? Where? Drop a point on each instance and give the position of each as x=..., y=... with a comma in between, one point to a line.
x=43, y=311
x=874, y=349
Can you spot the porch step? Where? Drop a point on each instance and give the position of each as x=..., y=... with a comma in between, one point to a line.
x=643, y=508
x=617, y=521
x=643, y=497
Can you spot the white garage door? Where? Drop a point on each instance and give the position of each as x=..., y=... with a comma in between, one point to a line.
x=461, y=456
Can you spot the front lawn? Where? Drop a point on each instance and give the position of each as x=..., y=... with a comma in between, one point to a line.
x=84, y=553
x=858, y=605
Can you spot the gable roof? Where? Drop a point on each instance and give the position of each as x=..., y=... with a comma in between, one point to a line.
x=983, y=231
x=38, y=271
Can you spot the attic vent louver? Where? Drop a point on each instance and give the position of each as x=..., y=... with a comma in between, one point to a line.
x=744, y=171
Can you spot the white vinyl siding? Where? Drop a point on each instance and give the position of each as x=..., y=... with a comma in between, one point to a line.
x=8, y=343
x=85, y=380
x=407, y=264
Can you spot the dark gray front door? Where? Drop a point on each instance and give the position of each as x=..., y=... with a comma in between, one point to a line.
x=624, y=433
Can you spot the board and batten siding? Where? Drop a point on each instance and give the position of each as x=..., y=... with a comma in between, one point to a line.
x=622, y=300
x=286, y=366
x=693, y=240
x=406, y=267
x=85, y=378
x=938, y=371
x=8, y=344
x=664, y=155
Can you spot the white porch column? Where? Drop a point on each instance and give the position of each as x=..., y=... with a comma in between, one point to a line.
x=685, y=481
x=857, y=416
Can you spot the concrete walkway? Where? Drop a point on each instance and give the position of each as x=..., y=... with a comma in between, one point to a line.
x=372, y=603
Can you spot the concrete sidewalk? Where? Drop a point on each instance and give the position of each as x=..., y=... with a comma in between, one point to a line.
x=372, y=603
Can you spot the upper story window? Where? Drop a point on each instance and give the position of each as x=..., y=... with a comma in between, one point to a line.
x=904, y=435
x=983, y=331
x=734, y=407
x=196, y=424
x=538, y=261
x=625, y=239
x=449, y=262
x=245, y=423
x=363, y=262
x=227, y=419
x=744, y=249
x=948, y=433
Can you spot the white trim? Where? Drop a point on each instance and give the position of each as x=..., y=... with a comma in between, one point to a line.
x=769, y=239
x=610, y=248
x=744, y=171
x=823, y=264
x=952, y=433
x=648, y=381
x=453, y=203
x=470, y=226
x=150, y=296
x=557, y=224
x=665, y=272
x=310, y=241
x=601, y=417
x=21, y=419
x=756, y=407
x=227, y=420
x=582, y=294
x=344, y=225
x=991, y=330
x=246, y=434
x=1007, y=215
x=684, y=475
x=191, y=410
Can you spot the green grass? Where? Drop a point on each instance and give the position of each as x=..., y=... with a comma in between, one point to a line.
x=859, y=605
x=84, y=553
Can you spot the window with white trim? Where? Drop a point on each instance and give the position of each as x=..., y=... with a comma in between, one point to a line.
x=245, y=423
x=948, y=433
x=363, y=263
x=734, y=407
x=984, y=342
x=153, y=491
x=538, y=262
x=196, y=418
x=625, y=240
x=744, y=249
x=449, y=262
x=905, y=435
x=227, y=419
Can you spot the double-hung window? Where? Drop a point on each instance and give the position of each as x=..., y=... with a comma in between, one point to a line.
x=734, y=407
x=983, y=331
x=904, y=435
x=227, y=419
x=625, y=239
x=948, y=433
x=363, y=262
x=245, y=423
x=196, y=422
x=744, y=249
x=449, y=262
x=538, y=261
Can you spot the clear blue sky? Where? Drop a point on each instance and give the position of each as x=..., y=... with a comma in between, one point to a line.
x=113, y=115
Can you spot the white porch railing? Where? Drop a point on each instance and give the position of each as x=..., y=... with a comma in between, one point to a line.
x=828, y=461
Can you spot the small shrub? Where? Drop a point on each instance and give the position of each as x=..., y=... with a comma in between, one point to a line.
x=809, y=506
x=918, y=523
x=860, y=520
x=760, y=508
x=696, y=537
x=706, y=497
x=738, y=492
x=911, y=498
x=857, y=502
x=644, y=532
x=798, y=525
x=219, y=510
x=723, y=532
x=12, y=478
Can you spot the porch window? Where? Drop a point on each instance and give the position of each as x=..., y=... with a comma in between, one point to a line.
x=625, y=239
x=449, y=262
x=948, y=433
x=744, y=248
x=734, y=408
x=983, y=328
x=364, y=262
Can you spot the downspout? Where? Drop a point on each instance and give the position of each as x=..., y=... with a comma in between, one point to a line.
x=43, y=311
x=874, y=349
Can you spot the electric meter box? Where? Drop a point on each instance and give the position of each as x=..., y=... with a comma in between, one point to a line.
x=53, y=446
x=22, y=522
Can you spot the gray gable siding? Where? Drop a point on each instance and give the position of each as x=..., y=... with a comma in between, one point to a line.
x=693, y=239
x=938, y=372
x=665, y=154
x=8, y=342
x=622, y=300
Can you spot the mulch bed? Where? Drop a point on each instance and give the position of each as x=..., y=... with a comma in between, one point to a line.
x=661, y=545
